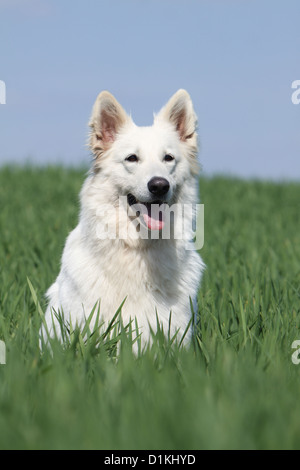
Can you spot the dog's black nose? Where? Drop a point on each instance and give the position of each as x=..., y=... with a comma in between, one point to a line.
x=158, y=186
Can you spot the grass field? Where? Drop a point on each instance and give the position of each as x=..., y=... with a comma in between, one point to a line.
x=236, y=387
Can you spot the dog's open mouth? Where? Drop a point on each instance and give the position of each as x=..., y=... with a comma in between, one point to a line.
x=151, y=213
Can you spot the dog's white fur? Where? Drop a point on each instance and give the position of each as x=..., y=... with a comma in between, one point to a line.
x=156, y=276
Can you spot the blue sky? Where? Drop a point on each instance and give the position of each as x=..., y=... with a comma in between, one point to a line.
x=237, y=59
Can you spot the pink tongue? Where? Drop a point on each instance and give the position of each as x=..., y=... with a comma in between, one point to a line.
x=153, y=224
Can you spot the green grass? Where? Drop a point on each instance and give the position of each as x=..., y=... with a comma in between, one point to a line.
x=235, y=387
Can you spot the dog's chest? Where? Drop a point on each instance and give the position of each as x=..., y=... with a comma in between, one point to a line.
x=161, y=278
x=141, y=275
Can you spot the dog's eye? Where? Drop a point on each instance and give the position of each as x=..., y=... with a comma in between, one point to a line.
x=168, y=158
x=132, y=158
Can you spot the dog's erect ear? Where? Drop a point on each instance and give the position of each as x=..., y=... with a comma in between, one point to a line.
x=180, y=112
x=107, y=118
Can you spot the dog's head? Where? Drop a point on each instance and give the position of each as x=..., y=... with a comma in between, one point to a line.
x=148, y=165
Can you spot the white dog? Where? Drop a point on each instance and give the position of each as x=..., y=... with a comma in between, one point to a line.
x=117, y=250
